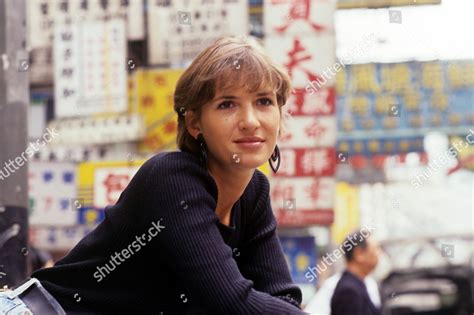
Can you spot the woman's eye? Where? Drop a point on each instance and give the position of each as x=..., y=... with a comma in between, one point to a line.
x=266, y=101
x=224, y=104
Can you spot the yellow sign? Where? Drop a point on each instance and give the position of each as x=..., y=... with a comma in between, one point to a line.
x=465, y=154
x=85, y=180
x=346, y=212
x=364, y=78
x=395, y=77
x=152, y=96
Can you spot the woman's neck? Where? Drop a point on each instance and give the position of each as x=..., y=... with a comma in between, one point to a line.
x=231, y=183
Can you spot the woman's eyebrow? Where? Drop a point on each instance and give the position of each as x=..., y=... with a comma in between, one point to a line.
x=229, y=97
x=265, y=93
x=232, y=97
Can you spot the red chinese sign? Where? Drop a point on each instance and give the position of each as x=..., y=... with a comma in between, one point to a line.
x=302, y=191
x=320, y=103
x=307, y=162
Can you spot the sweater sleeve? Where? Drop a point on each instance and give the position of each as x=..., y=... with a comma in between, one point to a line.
x=192, y=245
x=262, y=258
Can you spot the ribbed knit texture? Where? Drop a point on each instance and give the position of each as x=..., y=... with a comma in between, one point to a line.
x=194, y=265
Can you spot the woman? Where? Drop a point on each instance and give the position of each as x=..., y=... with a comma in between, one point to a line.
x=194, y=232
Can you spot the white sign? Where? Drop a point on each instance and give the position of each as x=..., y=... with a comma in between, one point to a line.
x=309, y=132
x=90, y=68
x=178, y=30
x=299, y=17
x=109, y=183
x=303, y=193
x=44, y=14
x=57, y=237
x=52, y=192
x=305, y=58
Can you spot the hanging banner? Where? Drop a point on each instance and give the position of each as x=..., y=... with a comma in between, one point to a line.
x=109, y=183
x=108, y=129
x=40, y=23
x=57, y=238
x=52, y=192
x=303, y=194
x=299, y=17
x=385, y=146
x=309, y=217
x=406, y=98
x=152, y=97
x=310, y=132
x=90, y=68
x=178, y=30
x=300, y=254
x=303, y=30
x=346, y=212
x=307, y=59
x=43, y=15
x=307, y=162
x=100, y=183
x=307, y=102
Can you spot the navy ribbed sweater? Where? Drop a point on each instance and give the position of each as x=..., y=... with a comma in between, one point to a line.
x=161, y=249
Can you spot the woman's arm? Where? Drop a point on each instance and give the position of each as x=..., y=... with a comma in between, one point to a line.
x=193, y=245
x=262, y=259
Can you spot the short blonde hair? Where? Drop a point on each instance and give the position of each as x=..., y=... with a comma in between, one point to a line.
x=228, y=62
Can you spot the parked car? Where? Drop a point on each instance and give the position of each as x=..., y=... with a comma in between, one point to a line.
x=429, y=276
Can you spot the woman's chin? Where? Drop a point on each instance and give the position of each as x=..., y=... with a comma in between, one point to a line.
x=249, y=162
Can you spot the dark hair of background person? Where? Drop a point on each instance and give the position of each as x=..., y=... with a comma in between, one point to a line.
x=358, y=239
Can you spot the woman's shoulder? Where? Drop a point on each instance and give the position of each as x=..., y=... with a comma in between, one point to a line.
x=257, y=192
x=260, y=183
x=261, y=179
x=172, y=159
x=175, y=168
x=176, y=163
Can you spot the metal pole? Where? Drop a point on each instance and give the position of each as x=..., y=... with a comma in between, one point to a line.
x=14, y=102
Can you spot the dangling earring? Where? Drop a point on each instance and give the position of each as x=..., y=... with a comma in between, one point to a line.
x=275, y=157
x=202, y=145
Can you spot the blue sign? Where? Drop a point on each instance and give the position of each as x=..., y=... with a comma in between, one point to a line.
x=300, y=254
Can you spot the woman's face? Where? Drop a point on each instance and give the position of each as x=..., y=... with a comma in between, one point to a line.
x=240, y=128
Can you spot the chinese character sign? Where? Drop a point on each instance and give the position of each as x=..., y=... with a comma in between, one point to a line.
x=152, y=92
x=109, y=183
x=178, y=29
x=90, y=68
x=302, y=17
x=300, y=37
x=52, y=189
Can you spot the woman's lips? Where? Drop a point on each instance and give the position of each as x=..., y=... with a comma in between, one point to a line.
x=251, y=144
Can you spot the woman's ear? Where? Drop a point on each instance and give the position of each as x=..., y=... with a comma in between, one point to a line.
x=193, y=125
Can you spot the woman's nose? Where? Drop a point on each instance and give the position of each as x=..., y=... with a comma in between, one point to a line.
x=248, y=118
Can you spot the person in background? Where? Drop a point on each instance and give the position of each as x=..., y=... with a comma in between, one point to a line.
x=351, y=296
x=320, y=303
